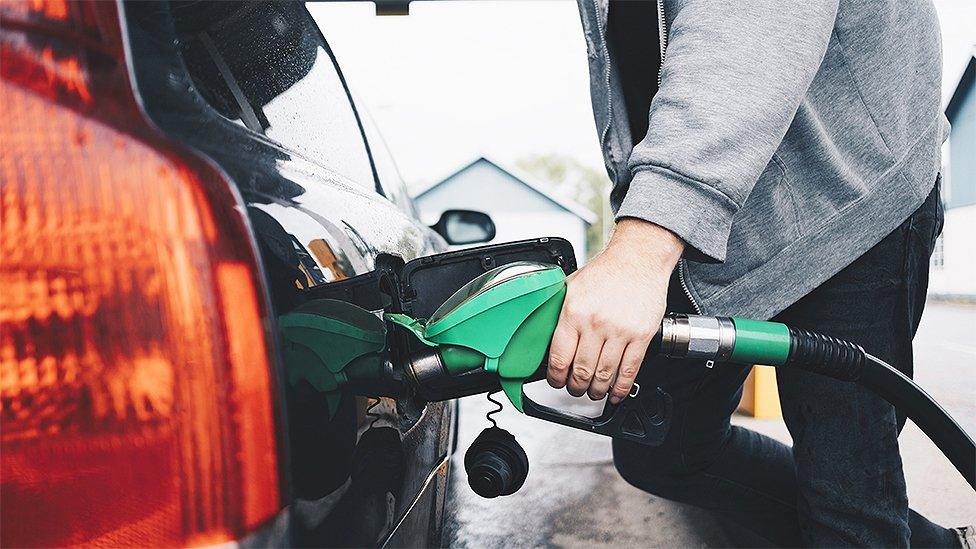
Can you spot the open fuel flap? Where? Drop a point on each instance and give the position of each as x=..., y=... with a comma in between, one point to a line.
x=485, y=323
x=427, y=282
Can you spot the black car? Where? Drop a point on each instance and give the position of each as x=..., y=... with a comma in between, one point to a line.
x=176, y=175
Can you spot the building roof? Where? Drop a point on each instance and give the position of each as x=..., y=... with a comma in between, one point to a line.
x=530, y=181
x=963, y=87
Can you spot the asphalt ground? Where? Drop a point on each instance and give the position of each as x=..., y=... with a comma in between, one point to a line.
x=573, y=496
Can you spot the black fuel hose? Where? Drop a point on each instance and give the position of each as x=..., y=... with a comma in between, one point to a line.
x=846, y=361
x=906, y=396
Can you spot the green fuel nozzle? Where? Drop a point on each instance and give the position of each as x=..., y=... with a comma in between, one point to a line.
x=501, y=322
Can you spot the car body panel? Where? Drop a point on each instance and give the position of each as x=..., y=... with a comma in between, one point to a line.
x=314, y=224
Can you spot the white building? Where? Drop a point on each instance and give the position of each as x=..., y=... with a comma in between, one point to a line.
x=953, y=272
x=520, y=205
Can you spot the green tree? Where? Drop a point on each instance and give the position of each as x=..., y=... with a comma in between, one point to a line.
x=586, y=185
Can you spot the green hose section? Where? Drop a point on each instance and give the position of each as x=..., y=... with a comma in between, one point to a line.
x=760, y=342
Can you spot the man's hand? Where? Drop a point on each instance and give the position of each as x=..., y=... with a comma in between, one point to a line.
x=613, y=308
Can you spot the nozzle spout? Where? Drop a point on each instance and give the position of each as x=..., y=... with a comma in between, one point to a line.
x=434, y=380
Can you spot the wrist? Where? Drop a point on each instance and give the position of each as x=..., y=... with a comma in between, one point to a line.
x=661, y=247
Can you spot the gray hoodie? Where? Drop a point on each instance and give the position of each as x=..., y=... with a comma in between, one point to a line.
x=785, y=138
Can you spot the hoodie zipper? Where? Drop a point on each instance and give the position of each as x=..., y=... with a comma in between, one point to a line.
x=606, y=74
x=684, y=286
x=662, y=32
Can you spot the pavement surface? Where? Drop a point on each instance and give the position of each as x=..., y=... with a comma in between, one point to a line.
x=573, y=496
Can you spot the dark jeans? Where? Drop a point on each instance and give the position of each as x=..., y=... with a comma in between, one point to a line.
x=842, y=483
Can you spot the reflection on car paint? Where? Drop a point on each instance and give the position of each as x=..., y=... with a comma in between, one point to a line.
x=328, y=259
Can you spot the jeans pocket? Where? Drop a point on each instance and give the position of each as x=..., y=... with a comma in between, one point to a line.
x=926, y=222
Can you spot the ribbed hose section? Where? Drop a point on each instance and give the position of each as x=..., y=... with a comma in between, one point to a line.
x=825, y=355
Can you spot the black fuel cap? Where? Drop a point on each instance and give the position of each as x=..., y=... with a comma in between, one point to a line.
x=496, y=464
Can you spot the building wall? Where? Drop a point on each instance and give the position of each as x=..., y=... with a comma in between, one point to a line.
x=518, y=211
x=961, y=185
x=953, y=271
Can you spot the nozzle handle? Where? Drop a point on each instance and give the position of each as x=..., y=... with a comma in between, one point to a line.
x=641, y=418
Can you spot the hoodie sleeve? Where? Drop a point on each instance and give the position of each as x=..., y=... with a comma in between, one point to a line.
x=733, y=77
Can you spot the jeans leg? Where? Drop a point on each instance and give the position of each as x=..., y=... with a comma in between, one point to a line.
x=850, y=484
x=750, y=483
x=851, y=490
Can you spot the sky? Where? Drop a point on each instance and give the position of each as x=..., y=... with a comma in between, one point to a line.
x=508, y=79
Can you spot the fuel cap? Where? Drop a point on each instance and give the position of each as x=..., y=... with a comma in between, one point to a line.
x=496, y=464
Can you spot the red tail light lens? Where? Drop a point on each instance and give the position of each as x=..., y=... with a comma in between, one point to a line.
x=136, y=395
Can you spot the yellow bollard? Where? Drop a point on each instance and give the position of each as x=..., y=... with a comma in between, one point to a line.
x=760, y=398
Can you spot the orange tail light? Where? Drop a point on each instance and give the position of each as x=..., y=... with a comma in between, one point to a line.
x=136, y=390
